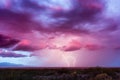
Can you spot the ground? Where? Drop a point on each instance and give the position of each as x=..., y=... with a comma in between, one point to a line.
x=60, y=73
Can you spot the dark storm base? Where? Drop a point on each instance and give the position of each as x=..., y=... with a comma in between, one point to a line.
x=60, y=73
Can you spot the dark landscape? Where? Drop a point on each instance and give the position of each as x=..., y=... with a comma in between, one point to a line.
x=60, y=73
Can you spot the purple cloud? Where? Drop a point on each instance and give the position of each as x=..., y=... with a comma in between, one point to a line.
x=6, y=41
x=27, y=48
x=117, y=48
x=93, y=47
x=9, y=53
x=38, y=15
x=72, y=46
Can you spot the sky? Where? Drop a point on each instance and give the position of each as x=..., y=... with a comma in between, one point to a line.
x=59, y=33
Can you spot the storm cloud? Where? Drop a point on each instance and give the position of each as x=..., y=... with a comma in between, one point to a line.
x=52, y=28
x=45, y=15
x=11, y=54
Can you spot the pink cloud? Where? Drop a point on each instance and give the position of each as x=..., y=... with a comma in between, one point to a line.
x=93, y=47
x=72, y=46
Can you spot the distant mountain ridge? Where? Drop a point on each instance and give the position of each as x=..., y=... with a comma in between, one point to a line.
x=6, y=64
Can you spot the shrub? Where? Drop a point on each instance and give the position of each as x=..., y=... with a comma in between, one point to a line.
x=103, y=76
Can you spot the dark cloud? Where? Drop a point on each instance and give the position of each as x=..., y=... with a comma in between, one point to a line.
x=11, y=54
x=72, y=46
x=31, y=5
x=6, y=41
x=26, y=16
x=93, y=47
x=27, y=48
x=117, y=48
x=82, y=13
x=14, y=21
x=23, y=17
